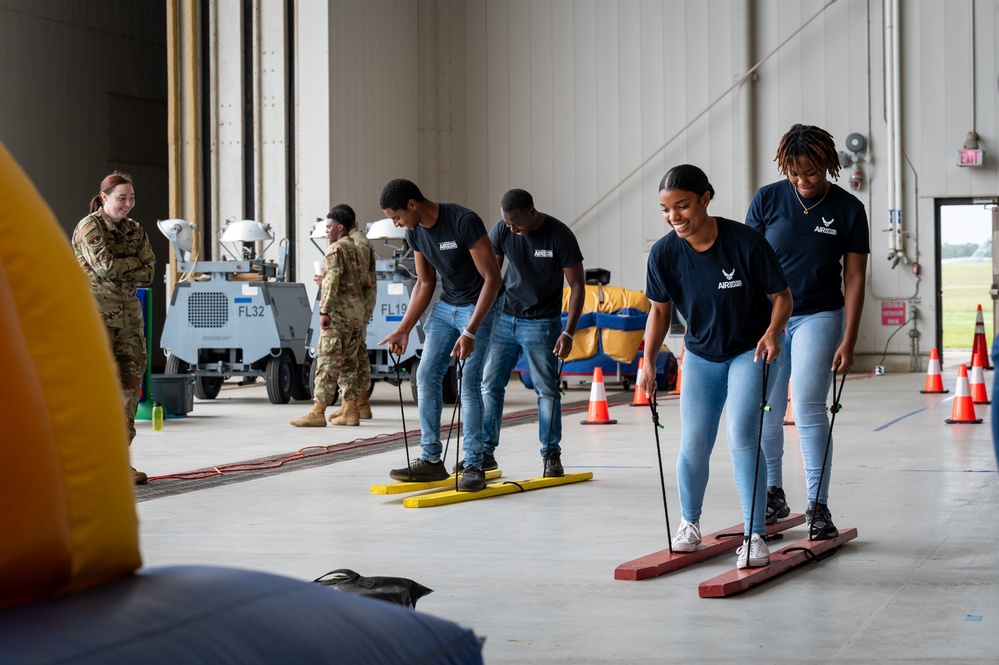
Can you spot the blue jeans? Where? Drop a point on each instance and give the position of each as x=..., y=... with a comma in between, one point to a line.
x=812, y=340
x=736, y=385
x=536, y=339
x=441, y=330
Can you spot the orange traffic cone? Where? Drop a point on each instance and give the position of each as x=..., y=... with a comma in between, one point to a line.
x=679, y=371
x=934, y=382
x=980, y=345
x=964, y=407
x=639, y=399
x=597, y=413
x=977, y=381
x=789, y=416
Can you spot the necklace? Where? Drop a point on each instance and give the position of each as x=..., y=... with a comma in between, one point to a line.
x=803, y=208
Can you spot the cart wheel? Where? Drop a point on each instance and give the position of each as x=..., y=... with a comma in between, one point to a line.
x=280, y=376
x=301, y=387
x=175, y=365
x=207, y=387
x=413, y=366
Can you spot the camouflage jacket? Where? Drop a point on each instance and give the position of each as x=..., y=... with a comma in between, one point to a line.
x=118, y=259
x=341, y=296
x=366, y=261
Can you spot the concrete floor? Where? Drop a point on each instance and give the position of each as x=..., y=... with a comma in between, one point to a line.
x=533, y=573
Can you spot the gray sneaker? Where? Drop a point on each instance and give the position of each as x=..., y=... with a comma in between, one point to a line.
x=777, y=508
x=687, y=536
x=473, y=479
x=421, y=471
x=755, y=555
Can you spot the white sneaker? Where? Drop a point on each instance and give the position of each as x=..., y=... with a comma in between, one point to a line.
x=756, y=555
x=687, y=536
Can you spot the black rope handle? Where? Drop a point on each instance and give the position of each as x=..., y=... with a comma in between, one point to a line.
x=397, y=360
x=551, y=422
x=656, y=426
x=834, y=408
x=764, y=407
x=459, y=366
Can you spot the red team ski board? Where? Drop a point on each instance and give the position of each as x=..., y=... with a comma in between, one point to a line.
x=719, y=542
x=781, y=561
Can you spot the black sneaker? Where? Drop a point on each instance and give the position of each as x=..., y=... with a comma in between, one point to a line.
x=472, y=479
x=421, y=471
x=553, y=465
x=777, y=507
x=820, y=524
x=488, y=463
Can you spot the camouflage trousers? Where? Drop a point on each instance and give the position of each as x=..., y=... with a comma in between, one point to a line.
x=128, y=345
x=363, y=379
x=336, y=361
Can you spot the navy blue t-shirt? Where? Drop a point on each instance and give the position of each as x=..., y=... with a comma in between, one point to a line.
x=535, y=262
x=810, y=247
x=447, y=246
x=722, y=292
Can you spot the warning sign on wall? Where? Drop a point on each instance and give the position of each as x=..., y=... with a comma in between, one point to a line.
x=893, y=313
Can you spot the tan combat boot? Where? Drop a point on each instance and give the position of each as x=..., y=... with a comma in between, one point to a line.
x=363, y=407
x=349, y=416
x=315, y=418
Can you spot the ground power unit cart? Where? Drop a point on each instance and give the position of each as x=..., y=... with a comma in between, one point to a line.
x=236, y=317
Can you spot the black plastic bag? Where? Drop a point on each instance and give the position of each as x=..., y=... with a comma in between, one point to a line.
x=398, y=590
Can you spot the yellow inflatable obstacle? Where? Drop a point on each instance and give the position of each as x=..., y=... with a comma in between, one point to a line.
x=67, y=509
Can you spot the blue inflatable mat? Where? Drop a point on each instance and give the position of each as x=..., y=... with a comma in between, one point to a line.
x=195, y=615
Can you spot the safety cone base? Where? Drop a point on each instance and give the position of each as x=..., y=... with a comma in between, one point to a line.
x=597, y=422
x=791, y=556
x=405, y=487
x=933, y=392
x=976, y=421
x=719, y=542
x=492, y=489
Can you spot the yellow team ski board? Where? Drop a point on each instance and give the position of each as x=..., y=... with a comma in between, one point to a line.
x=493, y=489
x=403, y=487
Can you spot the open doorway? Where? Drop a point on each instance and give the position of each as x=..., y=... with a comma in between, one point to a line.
x=964, y=276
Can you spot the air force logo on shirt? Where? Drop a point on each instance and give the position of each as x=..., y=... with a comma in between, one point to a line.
x=826, y=223
x=730, y=283
x=448, y=244
x=543, y=254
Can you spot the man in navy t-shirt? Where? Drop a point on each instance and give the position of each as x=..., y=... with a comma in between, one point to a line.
x=541, y=250
x=449, y=242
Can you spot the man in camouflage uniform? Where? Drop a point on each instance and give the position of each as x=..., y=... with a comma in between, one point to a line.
x=115, y=253
x=369, y=289
x=341, y=322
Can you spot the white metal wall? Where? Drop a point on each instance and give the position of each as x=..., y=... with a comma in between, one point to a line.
x=587, y=102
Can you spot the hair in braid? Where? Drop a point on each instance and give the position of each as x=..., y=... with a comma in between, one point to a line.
x=810, y=142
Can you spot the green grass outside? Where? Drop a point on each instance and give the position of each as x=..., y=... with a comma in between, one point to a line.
x=965, y=286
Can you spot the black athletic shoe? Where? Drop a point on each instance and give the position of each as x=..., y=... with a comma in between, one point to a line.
x=488, y=463
x=553, y=465
x=776, y=505
x=472, y=479
x=820, y=524
x=421, y=471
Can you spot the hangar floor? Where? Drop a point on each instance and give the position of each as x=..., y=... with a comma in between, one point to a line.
x=533, y=573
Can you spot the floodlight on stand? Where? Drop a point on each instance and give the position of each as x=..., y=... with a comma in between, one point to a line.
x=247, y=232
x=180, y=233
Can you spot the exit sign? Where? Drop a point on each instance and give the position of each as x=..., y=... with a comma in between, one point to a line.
x=970, y=157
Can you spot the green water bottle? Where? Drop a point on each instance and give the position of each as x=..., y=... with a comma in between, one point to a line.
x=157, y=417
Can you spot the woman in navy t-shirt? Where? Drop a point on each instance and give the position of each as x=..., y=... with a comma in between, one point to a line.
x=819, y=232
x=727, y=283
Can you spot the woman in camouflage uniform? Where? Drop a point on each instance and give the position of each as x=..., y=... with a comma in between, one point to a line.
x=115, y=253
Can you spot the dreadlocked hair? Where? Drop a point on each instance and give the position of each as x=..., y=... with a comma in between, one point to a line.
x=813, y=143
